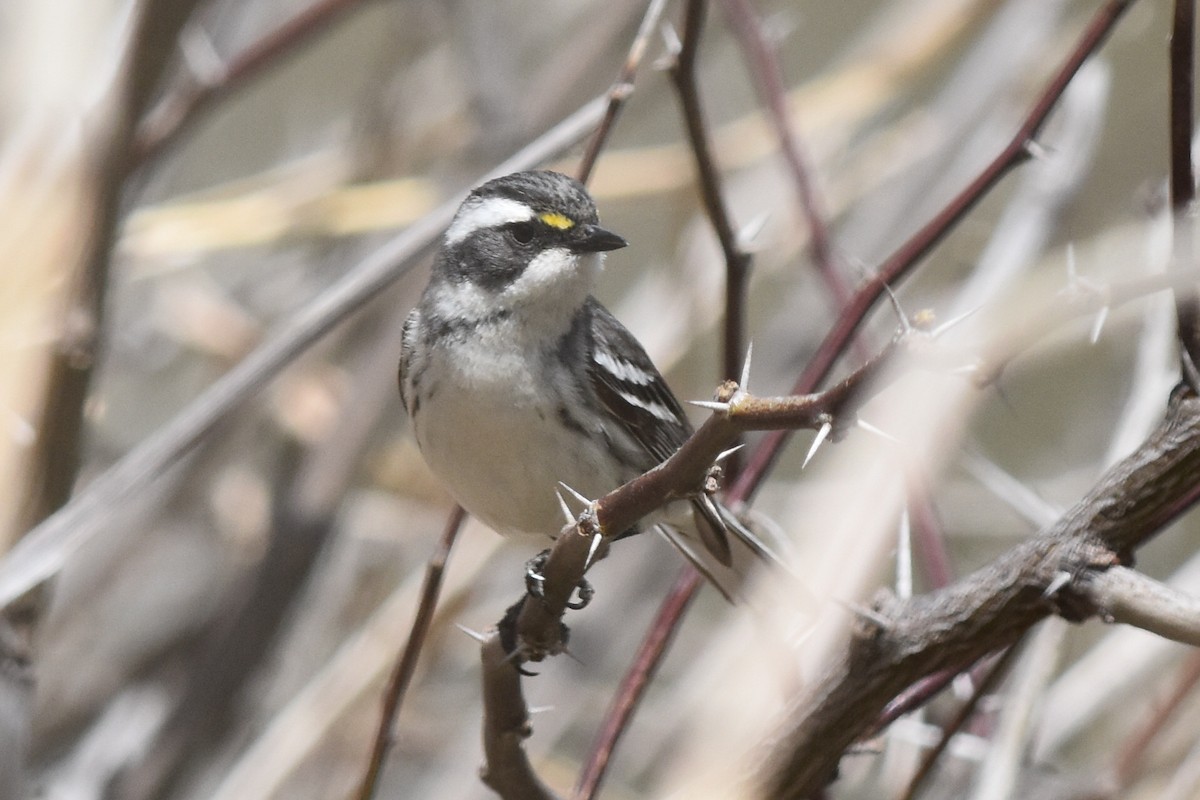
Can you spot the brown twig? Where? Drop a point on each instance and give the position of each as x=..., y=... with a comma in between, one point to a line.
x=621, y=88
x=653, y=646
x=769, y=82
x=1183, y=181
x=636, y=680
x=538, y=625
x=182, y=107
x=1134, y=750
x=994, y=672
x=1133, y=598
x=992, y=607
x=43, y=551
x=406, y=667
x=737, y=261
x=506, y=768
x=55, y=456
x=908, y=254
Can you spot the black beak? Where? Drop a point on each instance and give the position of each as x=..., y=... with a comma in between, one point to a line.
x=594, y=239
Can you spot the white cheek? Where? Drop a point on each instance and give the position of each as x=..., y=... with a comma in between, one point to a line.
x=556, y=275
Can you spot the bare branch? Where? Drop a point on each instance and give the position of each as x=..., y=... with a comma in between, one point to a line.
x=621, y=88
x=766, y=71
x=45, y=549
x=406, y=666
x=906, y=257
x=1183, y=180
x=55, y=457
x=181, y=108
x=996, y=670
x=506, y=727
x=993, y=606
x=737, y=261
x=1131, y=597
x=635, y=682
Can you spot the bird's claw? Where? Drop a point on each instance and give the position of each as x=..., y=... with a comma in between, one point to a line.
x=586, y=592
x=535, y=582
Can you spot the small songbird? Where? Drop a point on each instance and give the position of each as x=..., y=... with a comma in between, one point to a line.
x=516, y=378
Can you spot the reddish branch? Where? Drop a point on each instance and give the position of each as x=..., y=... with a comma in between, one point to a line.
x=993, y=673
x=903, y=260
x=180, y=108
x=769, y=78
x=946, y=630
x=621, y=88
x=651, y=652
x=1183, y=180
x=737, y=261
x=406, y=667
x=992, y=607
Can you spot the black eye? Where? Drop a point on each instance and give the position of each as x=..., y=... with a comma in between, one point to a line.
x=522, y=232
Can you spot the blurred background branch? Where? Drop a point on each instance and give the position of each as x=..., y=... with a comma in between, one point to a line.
x=216, y=213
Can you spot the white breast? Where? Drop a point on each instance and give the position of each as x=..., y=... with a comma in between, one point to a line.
x=497, y=443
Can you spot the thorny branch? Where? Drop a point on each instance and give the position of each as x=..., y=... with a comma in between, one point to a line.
x=904, y=259
x=653, y=647
x=767, y=72
x=992, y=607
x=533, y=630
x=538, y=626
x=174, y=113
x=621, y=88
x=737, y=261
x=44, y=550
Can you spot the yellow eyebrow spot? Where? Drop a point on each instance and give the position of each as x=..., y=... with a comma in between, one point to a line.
x=563, y=223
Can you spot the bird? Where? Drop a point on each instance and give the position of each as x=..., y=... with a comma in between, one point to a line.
x=517, y=381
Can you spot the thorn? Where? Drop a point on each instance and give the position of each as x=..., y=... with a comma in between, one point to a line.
x=1098, y=325
x=539, y=710
x=596, y=540
x=869, y=428
x=727, y=453
x=745, y=382
x=950, y=323
x=905, y=325
x=1061, y=579
x=751, y=230
x=904, y=556
x=711, y=405
x=575, y=494
x=671, y=41
x=200, y=55
x=567, y=652
x=1035, y=149
x=822, y=434
x=476, y=635
x=562, y=504
x=872, y=616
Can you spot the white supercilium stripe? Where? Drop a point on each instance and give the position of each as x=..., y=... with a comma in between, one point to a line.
x=622, y=370
x=490, y=212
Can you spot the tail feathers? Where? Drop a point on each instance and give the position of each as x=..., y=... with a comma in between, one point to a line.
x=712, y=529
x=720, y=546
